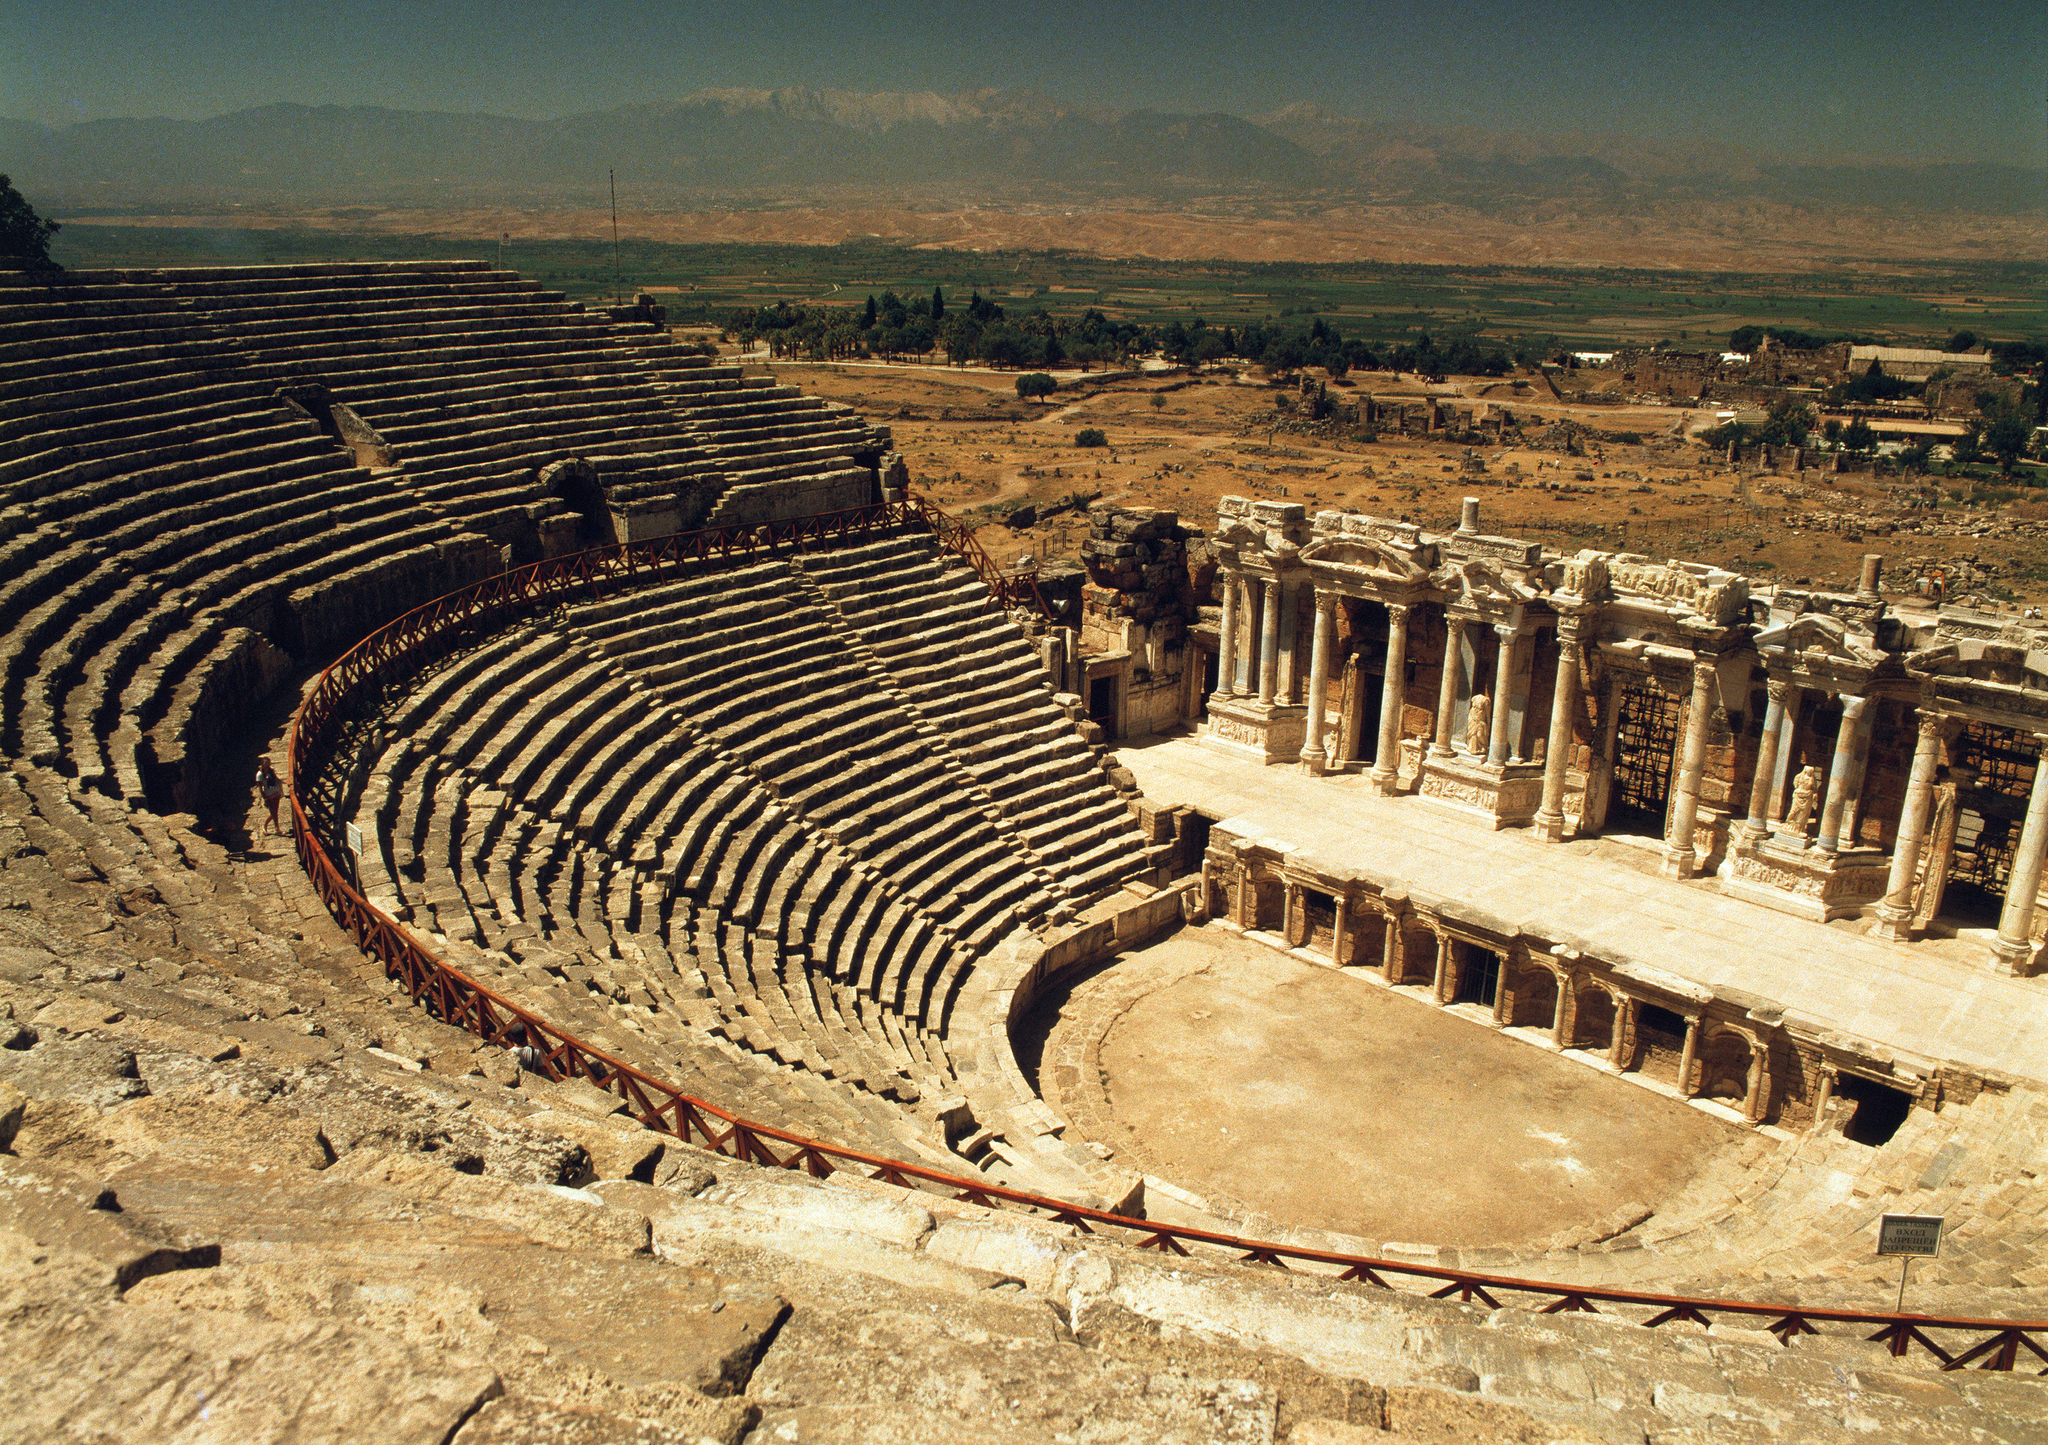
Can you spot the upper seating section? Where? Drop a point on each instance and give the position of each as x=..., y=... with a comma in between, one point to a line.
x=470, y=380
x=210, y=477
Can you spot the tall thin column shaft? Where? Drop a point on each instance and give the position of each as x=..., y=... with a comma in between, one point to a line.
x=1447, y=692
x=1313, y=754
x=1680, y=856
x=1393, y=693
x=1759, y=823
x=1557, y=750
x=2016, y=920
x=1842, y=776
x=1503, y=676
x=1269, y=643
x=1226, y=641
x=1895, y=913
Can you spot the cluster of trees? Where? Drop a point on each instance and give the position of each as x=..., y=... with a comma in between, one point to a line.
x=981, y=331
x=1748, y=338
x=886, y=327
x=24, y=235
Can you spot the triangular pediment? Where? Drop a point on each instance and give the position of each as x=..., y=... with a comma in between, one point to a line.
x=1365, y=558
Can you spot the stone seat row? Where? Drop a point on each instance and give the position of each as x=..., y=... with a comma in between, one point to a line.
x=300, y=355
x=484, y=883
x=67, y=335
x=577, y=747
x=971, y=676
x=764, y=675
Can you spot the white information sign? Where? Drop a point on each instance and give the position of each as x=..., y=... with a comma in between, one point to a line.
x=353, y=836
x=1910, y=1234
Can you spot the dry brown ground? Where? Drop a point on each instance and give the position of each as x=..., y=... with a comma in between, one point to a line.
x=979, y=452
x=1730, y=237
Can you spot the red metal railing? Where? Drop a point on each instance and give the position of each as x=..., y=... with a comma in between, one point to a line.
x=393, y=653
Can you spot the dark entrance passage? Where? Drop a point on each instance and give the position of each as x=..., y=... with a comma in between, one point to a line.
x=1479, y=979
x=1370, y=626
x=1102, y=706
x=1645, y=736
x=1879, y=1110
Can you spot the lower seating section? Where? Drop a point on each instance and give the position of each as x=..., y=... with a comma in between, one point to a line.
x=708, y=810
x=764, y=668
x=594, y=856
x=968, y=672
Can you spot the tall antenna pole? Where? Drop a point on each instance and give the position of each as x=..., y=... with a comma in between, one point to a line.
x=618, y=295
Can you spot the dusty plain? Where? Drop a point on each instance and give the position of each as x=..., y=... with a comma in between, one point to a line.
x=1181, y=442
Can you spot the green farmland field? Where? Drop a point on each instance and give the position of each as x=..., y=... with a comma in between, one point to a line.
x=1591, y=309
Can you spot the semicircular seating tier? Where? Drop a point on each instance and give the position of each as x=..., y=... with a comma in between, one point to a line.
x=209, y=476
x=758, y=805
x=749, y=829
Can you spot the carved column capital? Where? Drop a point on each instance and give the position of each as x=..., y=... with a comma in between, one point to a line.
x=1326, y=603
x=1397, y=612
x=1853, y=705
x=1703, y=671
x=1781, y=692
x=1933, y=725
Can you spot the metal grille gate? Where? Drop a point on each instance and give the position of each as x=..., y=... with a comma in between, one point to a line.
x=1988, y=830
x=1645, y=735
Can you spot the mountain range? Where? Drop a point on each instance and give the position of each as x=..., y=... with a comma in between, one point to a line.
x=797, y=146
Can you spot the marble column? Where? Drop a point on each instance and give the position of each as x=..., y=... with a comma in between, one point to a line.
x=2015, y=922
x=1895, y=914
x=1624, y=1011
x=1823, y=1095
x=1226, y=640
x=1758, y=826
x=1504, y=660
x=1759, y=1076
x=1557, y=751
x=1393, y=693
x=1314, y=757
x=1843, y=775
x=1247, y=637
x=1559, y=1013
x=1447, y=692
x=1269, y=643
x=1781, y=771
x=1687, y=1055
x=1680, y=856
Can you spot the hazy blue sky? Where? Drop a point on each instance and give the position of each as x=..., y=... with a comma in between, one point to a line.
x=1930, y=79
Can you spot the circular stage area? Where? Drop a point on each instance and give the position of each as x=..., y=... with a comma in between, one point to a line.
x=1329, y=1101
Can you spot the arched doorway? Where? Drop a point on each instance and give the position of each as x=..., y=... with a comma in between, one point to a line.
x=1535, y=998
x=1593, y=1019
x=576, y=483
x=1478, y=978
x=1724, y=1067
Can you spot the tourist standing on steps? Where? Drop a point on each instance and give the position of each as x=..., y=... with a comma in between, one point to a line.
x=270, y=788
